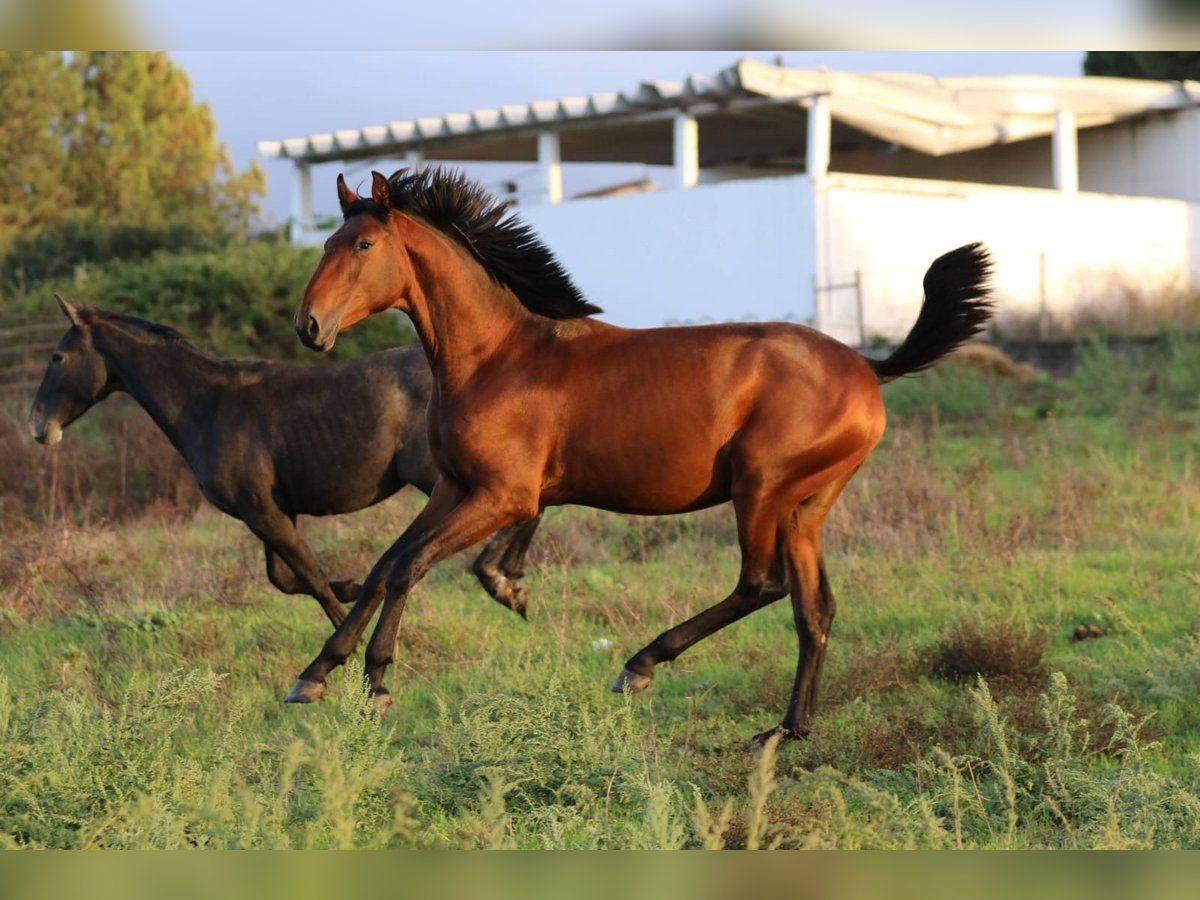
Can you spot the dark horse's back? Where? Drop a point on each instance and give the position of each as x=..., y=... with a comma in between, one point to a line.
x=325, y=439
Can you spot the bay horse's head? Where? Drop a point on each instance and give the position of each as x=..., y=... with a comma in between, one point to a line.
x=365, y=269
x=76, y=378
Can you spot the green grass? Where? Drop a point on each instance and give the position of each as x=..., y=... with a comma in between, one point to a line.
x=142, y=663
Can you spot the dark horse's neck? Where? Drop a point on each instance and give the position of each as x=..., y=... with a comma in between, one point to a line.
x=175, y=383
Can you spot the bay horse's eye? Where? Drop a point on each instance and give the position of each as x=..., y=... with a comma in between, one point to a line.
x=364, y=245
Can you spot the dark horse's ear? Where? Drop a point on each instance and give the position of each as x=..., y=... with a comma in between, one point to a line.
x=380, y=192
x=70, y=310
x=346, y=197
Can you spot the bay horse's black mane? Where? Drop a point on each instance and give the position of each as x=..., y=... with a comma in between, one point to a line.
x=504, y=245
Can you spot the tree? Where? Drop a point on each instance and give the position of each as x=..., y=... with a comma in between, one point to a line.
x=40, y=99
x=1178, y=65
x=144, y=153
x=102, y=141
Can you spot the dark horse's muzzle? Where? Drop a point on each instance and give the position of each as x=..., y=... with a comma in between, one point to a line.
x=42, y=427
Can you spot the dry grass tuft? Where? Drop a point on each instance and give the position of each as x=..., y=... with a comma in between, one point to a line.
x=995, y=650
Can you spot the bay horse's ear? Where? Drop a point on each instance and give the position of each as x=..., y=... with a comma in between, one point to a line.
x=346, y=197
x=70, y=310
x=381, y=193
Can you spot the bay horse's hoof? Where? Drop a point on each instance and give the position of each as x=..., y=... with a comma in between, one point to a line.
x=631, y=682
x=784, y=734
x=382, y=702
x=305, y=692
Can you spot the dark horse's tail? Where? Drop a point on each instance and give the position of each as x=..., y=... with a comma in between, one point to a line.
x=956, y=307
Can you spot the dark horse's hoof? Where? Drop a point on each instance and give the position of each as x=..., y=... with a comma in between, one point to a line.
x=305, y=692
x=382, y=702
x=631, y=682
x=520, y=598
x=346, y=591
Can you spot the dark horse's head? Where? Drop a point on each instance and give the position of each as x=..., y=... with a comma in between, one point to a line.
x=76, y=378
x=365, y=269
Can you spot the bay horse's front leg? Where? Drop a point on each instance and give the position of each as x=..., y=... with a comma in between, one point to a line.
x=337, y=648
x=450, y=522
x=479, y=514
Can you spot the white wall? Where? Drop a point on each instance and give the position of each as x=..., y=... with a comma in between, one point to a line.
x=721, y=251
x=1157, y=156
x=1096, y=247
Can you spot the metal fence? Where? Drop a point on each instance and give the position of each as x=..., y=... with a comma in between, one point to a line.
x=24, y=347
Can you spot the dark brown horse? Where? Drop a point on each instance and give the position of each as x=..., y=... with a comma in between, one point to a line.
x=268, y=441
x=536, y=404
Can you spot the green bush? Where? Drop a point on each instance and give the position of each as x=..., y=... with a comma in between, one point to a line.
x=235, y=301
x=1163, y=377
x=953, y=391
x=58, y=251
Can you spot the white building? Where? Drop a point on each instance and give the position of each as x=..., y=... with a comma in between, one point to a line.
x=822, y=196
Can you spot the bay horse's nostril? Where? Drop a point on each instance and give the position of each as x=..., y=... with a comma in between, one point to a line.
x=312, y=328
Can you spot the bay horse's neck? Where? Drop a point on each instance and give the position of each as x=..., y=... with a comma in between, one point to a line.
x=175, y=384
x=461, y=315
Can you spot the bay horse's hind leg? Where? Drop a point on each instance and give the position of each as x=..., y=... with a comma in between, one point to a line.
x=813, y=607
x=763, y=580
x=501, y=564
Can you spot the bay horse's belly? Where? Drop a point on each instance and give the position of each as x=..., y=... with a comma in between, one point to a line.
x=659, y=460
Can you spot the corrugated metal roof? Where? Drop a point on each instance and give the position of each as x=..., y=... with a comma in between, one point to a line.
x=932, y=115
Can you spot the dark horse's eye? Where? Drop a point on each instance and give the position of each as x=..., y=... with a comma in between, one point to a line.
x=364, y=245
x=56, y=358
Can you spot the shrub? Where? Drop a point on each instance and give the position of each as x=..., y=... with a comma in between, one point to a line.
x=235, y=301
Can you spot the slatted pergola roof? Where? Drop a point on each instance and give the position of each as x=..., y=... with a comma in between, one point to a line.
x=752, y=110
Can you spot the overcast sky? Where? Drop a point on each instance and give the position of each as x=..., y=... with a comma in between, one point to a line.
x=258, y=95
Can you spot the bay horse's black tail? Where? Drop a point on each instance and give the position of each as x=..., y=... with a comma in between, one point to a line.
x=956, y=307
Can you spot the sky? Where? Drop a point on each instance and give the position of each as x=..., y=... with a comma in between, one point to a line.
x=531, y=24
x=271, y=94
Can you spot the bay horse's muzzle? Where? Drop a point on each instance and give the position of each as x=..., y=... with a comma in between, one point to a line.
x=312, y=335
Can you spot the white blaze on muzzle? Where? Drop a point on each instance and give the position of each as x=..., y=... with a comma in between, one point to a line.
x=47, y=431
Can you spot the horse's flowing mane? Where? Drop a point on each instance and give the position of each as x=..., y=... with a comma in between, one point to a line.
x=155, y=332
x=144, y=326
x=508, y=249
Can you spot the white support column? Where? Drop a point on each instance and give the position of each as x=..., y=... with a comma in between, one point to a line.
x=302, y=202
x=414, y=161
x=1064, y=146
x=687, y=151
x=820, y=130
x=550, y=163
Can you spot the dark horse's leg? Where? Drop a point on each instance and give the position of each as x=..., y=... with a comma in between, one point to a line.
x=282, y=576
x=501, y=564
x=449, y=523
x=291, y=564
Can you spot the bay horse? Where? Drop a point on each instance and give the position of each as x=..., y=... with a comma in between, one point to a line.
x=537, y=404
x=269, y=441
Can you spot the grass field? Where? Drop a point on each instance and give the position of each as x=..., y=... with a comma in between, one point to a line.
x=143, y=658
